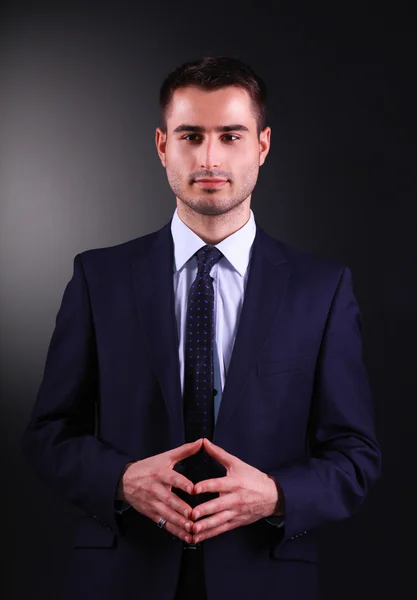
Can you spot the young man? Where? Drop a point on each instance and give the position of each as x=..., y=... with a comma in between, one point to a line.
x=204, y=399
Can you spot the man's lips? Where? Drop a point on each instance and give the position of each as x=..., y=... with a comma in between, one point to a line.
x=211, y=182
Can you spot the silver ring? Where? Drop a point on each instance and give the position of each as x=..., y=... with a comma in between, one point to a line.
x=161, y=522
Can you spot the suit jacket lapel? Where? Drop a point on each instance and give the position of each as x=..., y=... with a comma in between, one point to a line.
x=267, y=280
x=153, y=284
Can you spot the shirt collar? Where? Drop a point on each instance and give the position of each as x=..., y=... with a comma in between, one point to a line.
x=236, y=247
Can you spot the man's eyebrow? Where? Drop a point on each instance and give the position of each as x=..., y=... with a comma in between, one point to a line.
x=220, y=129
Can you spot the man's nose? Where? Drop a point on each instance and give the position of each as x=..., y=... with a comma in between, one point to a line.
x=209, y=155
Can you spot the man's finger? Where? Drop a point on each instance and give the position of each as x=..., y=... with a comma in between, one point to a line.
x=173, y=518
x=213, y=521
x=181, y=452
x=177, y=480
x=219, y=484
x=210, y=533
x=219, y=454
x=211, y=507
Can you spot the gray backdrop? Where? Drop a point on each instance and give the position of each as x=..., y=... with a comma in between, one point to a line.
x=79, y=169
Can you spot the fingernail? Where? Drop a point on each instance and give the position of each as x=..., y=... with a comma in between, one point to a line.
x=197, y=514
x=197, y=539
x=188, y=489
x=187, y=539
x=198, y=528
x=186, y=513
x=187, y=526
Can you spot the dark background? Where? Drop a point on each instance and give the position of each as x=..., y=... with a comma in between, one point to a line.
x=79, y=169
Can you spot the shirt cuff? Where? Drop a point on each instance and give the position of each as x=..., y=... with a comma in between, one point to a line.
x=121, y=507
x=277, y=522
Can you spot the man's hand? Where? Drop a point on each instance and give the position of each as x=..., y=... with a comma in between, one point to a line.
x=147, y=484
x=246, y=495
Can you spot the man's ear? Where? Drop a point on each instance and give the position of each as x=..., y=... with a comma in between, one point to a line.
x=160, y=142
x=264, y=144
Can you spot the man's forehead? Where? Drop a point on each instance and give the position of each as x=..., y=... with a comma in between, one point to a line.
x=191, y=92
x=211, y=109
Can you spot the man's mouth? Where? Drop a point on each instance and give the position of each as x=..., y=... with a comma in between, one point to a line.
x=211, y=182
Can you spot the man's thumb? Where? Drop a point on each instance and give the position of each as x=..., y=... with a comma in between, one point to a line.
x=187, y=449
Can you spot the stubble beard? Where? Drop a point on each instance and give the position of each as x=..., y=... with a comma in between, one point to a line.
x=202, y=203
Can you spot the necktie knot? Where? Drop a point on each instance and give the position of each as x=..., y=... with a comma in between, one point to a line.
x=207, y=257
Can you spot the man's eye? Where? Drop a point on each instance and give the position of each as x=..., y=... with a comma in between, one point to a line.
x=190, y=135
x=193, y=137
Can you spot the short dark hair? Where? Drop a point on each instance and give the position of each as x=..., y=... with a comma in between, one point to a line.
x=212, y=73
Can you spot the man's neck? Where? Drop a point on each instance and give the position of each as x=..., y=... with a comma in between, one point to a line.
x=214, y=228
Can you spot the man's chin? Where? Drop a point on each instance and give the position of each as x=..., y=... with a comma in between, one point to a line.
x=205, y=208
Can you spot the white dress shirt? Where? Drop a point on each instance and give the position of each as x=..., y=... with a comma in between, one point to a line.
x=230, y=276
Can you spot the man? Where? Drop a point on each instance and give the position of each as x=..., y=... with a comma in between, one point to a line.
x=204, y=400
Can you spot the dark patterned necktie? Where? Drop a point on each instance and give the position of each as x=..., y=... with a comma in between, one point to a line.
x=198, y=369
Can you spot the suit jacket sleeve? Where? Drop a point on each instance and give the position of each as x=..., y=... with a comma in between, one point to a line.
x=344, y=459
x=61, y=440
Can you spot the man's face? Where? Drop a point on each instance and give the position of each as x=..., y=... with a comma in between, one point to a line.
x=212, y=135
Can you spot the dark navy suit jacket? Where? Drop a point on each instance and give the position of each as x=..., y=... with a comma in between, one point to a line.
x=296, y=404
